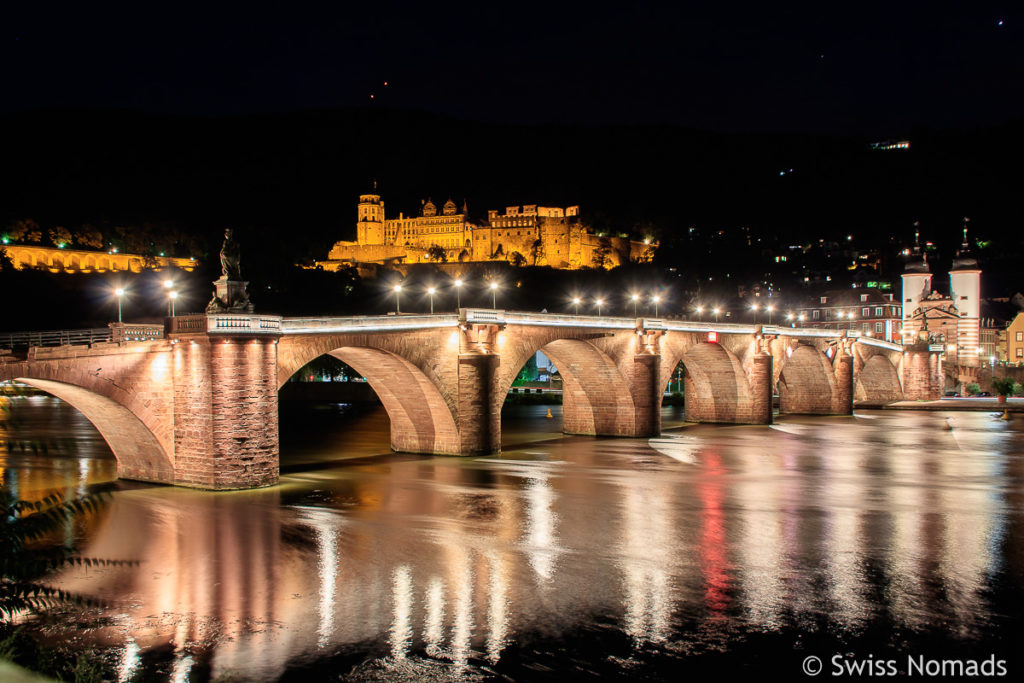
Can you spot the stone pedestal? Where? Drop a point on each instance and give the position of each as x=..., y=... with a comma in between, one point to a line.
x=229, y=296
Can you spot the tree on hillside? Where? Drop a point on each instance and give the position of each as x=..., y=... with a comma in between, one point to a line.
x=60, y=236
x=437, y=253
x=537, y=255
x=88, y=236
x=602, y=252
x=25, y=230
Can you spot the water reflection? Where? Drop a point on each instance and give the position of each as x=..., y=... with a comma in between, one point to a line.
x=847, y=522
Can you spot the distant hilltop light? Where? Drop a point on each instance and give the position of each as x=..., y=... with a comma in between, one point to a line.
x=891, y=144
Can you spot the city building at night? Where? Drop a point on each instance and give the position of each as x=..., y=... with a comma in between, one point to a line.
x=870, y=311
x=952, y=318
x=521, y=235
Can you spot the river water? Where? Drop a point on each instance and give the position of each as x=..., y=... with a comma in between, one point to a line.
x=713, y=550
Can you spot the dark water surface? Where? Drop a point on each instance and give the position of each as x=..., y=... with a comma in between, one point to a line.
x=712, y=550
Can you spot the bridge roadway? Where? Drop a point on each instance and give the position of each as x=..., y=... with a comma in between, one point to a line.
x=198, y=406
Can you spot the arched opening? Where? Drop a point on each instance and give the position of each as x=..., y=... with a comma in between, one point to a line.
x=596, y=399
x=715, y=388
x=807, y=383
x=138, y=452
x=877, y=383
x=421, y=421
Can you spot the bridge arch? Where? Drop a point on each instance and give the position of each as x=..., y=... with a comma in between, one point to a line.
x=878, y=382
x=716, y=388
x=807, y=382
x=138, y=451
x=597, y=398
x=421, y=419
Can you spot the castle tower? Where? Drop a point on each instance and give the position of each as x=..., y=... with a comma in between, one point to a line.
x=965, y=291
x=917, y=283
x=370, y=219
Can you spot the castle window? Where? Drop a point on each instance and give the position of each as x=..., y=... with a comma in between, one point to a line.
x=879, y=311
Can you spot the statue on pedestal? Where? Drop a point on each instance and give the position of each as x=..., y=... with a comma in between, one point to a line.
x=230, y=295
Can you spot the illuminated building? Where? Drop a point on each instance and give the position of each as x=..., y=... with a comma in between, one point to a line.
x=522, y=236
x=57, y=260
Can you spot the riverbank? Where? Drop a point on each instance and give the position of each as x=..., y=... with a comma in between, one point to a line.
x=981, y=404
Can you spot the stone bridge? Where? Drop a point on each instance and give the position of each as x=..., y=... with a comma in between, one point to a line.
x=199, y=407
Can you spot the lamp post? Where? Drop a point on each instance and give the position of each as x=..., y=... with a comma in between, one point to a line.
x=171, y=297
x=458, y=294
x=119, y=292
x=494, y=295
x=169, y=285
x=656, y=299
x=431, y=291
x=398, y=303
x=754, y=308
x=716, y=311
x=599, y=302
x=700, y=313
x=770, y=308
x=635, y=298
x=789, y=317
x=576, y=303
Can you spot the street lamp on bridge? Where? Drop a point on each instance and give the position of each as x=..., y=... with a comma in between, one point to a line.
x=458, y=294
x=716, y=311
x=398, y=303
x=656, y=299
x=754, y=307
x=700, y=312
x=576, y=304
x=494, y=295
x=171, y=297
x=634, y=298
x=431, y=291
x=769, y=308
x=599, y=302
x=119, y=293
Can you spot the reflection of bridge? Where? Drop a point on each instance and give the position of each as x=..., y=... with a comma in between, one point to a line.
x=199, y=408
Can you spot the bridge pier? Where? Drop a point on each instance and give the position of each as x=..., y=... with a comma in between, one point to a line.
x=922, y=374
x=479, y=421
x=842, y=401
x=225, y=408
x=760, y=377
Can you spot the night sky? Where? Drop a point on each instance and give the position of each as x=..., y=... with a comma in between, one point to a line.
x=845, y=68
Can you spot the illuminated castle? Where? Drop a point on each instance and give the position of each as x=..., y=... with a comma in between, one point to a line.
x=522, y=236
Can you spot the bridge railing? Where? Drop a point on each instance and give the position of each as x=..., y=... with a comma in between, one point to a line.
x=21, y=340
x=225, y=323
x=366, y=323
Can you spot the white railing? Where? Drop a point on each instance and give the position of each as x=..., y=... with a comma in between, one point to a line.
x=226, y=323
x=368, y=323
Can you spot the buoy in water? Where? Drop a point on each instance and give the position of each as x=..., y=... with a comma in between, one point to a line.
x=549, y=415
